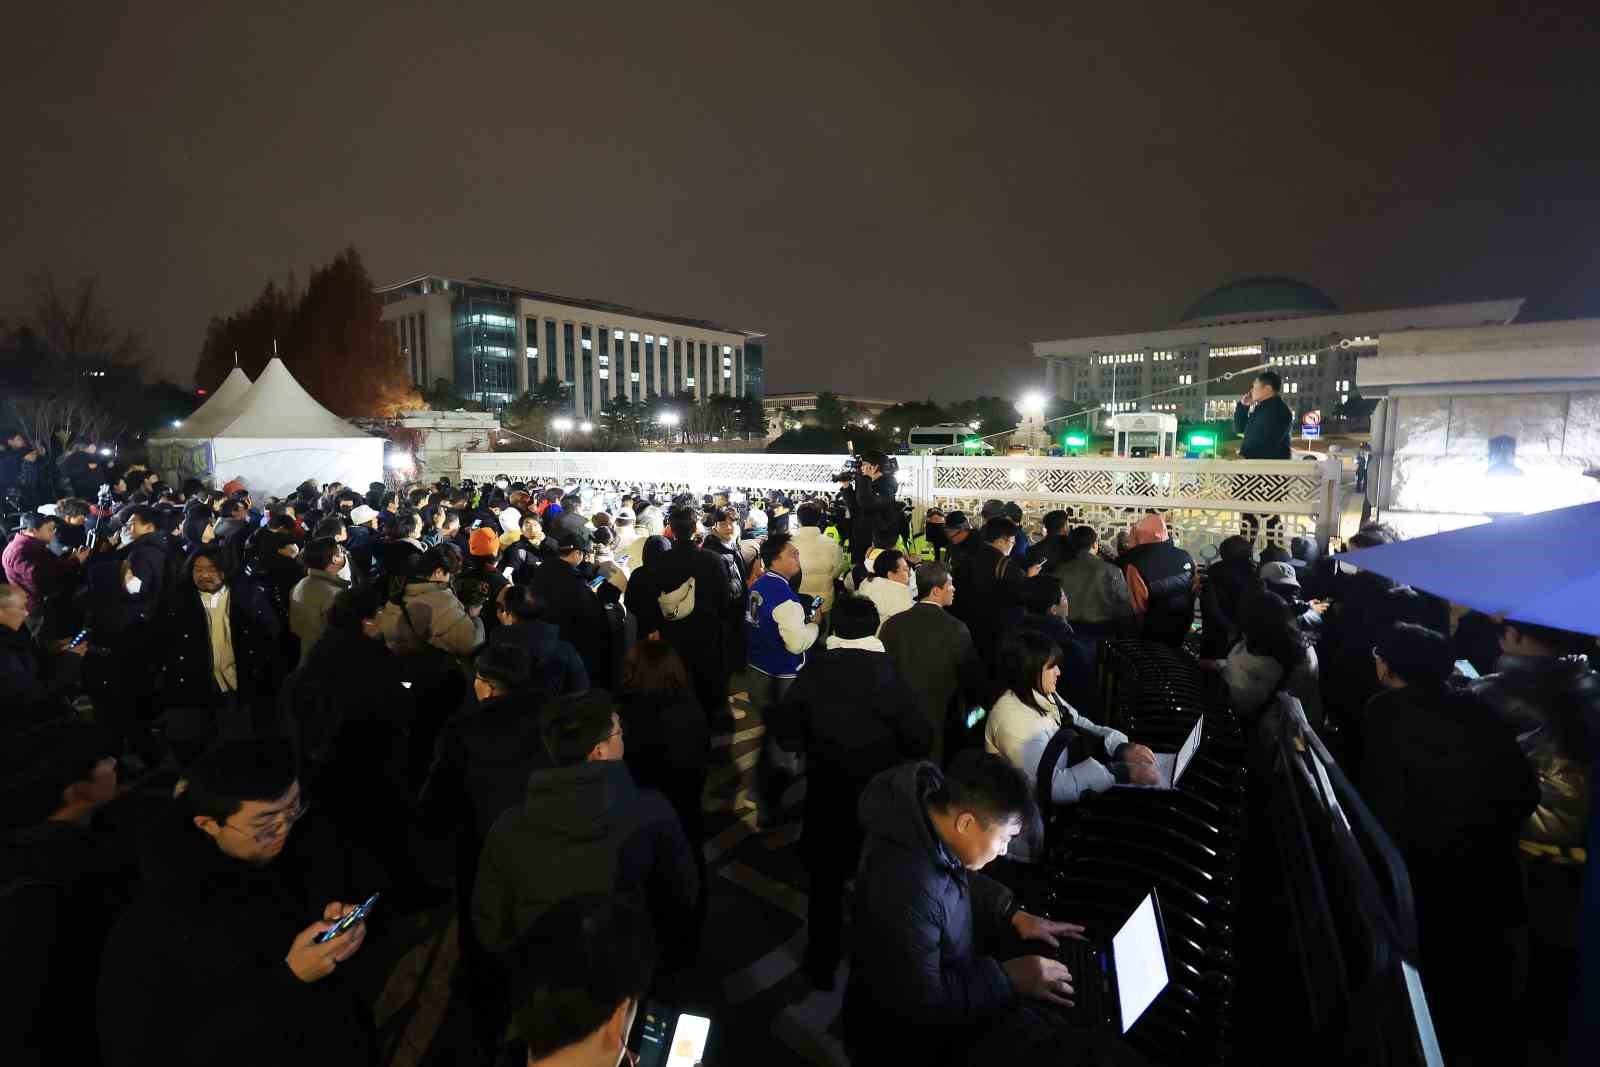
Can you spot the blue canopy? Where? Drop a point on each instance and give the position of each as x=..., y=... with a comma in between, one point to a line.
x=1542, y=568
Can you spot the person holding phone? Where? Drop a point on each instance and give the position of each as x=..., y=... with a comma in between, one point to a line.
x=218, y=960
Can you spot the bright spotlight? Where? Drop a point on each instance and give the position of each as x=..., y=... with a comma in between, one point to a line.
x=585, y=427
x=668, y=418
x=105, y=451
x=1031, y=404
x=176, y=423
x=561, y=425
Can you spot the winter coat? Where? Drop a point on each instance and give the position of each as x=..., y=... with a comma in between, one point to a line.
x=1446, y=779
x=853, y=715
x=61, y=887
x=698, y=637
x=574, y=610
x=1222, y=592
x=876, y=509
x=1252, y=679
x=988, y=595
x=482, y=760
x=919, y=988
x=430, y=616
x=555, y=666
x=194, y=971
x=669, y=749
x=156, y=564
x=26, y=696
x=938, y=660
x=1548, y=702
x=584, y=828
x=309, y=602
x=888, y=596
x=821, y=560
x=1266, y=428
x=32, y=567
x=188, y=678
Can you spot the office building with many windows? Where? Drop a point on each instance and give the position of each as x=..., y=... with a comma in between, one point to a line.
x=1287, y=325
x=493, y=342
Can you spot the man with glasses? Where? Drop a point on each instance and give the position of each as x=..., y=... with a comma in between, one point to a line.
x=218, y=961
x=585, y=827
x=311, y=597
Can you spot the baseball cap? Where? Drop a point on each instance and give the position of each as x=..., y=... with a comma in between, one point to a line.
x=623, y=516
x=956, y=520
x=483, y=542
x=361, y=514
x=1279, y=574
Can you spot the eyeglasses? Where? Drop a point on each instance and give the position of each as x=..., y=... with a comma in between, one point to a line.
x=281, y=824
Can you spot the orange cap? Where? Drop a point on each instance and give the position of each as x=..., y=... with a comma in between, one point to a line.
x=483, y=542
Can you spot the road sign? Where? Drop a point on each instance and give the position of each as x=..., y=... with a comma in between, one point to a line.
x=1310, y=430
x=1311, y=418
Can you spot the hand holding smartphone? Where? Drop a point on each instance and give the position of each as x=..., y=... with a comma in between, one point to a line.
x=346, y=921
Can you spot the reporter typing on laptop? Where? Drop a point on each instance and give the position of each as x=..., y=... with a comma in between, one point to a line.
x=1029, y=715
x=922, y=990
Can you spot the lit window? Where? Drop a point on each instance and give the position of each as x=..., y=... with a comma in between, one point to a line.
x=1313, y=359
x=616, y=335
x=604, y=374
x=727, y=374
x=633, y=335
x=587, y=344
x=727, y=350
x=532, y=352
x=649, y=338
x=727, y=361
x=1344, y=398
x=633, y=376
x=689, y=382
x=605, y=360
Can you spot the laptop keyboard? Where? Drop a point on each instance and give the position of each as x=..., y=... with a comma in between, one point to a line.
x=1089, y=982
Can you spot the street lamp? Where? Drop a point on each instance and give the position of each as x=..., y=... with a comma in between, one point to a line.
x=561, y=425
x=585, y=427
x=1031, y=404
x=668, y=418
x=974, y=424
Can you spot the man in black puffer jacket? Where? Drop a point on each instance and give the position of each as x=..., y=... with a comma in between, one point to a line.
x=1161, y=580
x=853, y=714
x=920, y=990
x=216, y=963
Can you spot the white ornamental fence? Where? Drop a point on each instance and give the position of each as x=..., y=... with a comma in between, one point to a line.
x=1203, y=501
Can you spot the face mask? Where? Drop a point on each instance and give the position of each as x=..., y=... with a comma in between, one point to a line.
x=344, y=572
x=133, y=585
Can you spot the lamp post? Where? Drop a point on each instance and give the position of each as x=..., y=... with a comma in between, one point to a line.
x=669, y=419
x=1030, y=433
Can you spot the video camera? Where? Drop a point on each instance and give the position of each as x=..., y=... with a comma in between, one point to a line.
x=890, y=466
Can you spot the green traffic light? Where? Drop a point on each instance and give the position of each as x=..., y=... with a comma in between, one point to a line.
x=1203, y=440
x=1074, y=440
x=972, y=444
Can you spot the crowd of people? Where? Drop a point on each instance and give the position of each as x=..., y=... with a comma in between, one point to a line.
x=537, y=673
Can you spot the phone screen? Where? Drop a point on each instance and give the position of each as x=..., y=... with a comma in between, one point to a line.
x=1463, y=665
x=597, y=581
x=347, y=920
x=689, y=1041
x=509, y=572
x=79, y=639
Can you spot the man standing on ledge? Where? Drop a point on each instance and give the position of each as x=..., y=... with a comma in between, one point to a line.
x=1264, y=419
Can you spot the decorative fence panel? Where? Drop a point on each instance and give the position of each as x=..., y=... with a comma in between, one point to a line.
x=1204, y=501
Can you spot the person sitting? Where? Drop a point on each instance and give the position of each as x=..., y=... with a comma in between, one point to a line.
x=217, y=960
x=578, y=980
x=584, y=826
x=921, y=908
x=1447, y=781
x=853, y=715
x=64, y=878
x=1028, y=714
x=555, y=666
x=889, y=588
x=1271, y=656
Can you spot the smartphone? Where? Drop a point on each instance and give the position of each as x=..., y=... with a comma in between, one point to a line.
x=510, y=573
x=686, y=1045
x=83, y=635
x=406, y=685
x=596, y=582
x=1467, y=669
x=89, y=540
x=346, y=921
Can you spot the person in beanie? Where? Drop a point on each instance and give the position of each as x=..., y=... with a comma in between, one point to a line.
x=480, y=579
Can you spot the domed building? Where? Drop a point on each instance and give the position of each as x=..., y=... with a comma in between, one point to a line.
x=1283, y=323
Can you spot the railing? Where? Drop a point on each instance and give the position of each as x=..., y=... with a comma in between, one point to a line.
x=1204, y=501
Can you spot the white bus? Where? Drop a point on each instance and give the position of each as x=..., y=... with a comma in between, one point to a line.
x=943, y=440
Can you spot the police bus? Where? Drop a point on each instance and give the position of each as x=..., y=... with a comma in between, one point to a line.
x=943, y=440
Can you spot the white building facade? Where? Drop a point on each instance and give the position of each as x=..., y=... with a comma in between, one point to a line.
x=1286, y=325
x=493, y=342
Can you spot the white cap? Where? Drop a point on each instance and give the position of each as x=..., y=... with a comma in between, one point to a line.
x=510, y=519
x=361, y=514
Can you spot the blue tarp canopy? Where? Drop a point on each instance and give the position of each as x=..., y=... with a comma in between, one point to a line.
x=1542, y=568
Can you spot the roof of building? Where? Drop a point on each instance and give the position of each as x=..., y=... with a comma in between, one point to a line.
x=1262, y=297
x=573, y=301
x=781, y=399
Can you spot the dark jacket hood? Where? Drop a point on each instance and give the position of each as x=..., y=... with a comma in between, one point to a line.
x=532, y=634
x=176, y=853
x=894, y=807
x=582, y=803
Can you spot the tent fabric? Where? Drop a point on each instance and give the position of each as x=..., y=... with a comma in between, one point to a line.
x=275, y=466
x=215, y=412
x=279, y=406
x=1540, y=568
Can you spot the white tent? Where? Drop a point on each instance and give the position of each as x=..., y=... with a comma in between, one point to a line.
x=184, y=451
x=275, y=437
x=218, y=409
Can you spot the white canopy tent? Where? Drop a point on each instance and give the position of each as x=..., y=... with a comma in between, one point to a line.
x=273, y=438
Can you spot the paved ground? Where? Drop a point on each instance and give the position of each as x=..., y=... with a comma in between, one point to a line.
x=749, y=978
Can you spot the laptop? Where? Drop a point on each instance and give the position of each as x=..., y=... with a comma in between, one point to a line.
x=1113, y=985
x=1171, y=765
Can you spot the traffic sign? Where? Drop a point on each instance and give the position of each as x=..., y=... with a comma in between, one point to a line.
x=1310, y=430
x=1312, y=418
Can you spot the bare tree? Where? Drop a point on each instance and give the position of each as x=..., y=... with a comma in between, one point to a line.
x=76, y=323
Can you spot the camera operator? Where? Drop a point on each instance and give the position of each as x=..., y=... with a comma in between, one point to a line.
x=875, y=504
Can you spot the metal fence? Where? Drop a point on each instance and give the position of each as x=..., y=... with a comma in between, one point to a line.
x=1204, y=501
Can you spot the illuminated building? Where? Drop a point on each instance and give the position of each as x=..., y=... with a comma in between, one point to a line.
x=1292, y=327
x=493, y=342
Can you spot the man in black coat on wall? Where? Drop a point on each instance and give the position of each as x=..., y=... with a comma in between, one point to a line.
x=1264, y=419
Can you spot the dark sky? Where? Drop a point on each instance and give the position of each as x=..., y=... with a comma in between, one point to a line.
x=903, y=195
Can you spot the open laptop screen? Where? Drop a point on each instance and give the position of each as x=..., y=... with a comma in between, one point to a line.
x=1191, y=745
x=1140, y=960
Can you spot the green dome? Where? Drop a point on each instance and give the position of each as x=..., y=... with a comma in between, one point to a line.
x=1264, y=297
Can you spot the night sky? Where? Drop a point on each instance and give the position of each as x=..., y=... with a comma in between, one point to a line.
x=902, y=195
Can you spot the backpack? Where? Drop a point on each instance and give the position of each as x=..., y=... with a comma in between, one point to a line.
x=677, y=604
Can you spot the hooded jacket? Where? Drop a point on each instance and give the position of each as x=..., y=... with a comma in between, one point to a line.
x=555, y=666
x=309, y=602
x=430, y=615
x=194, y=971
x=919, y=988
x=584, y=828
